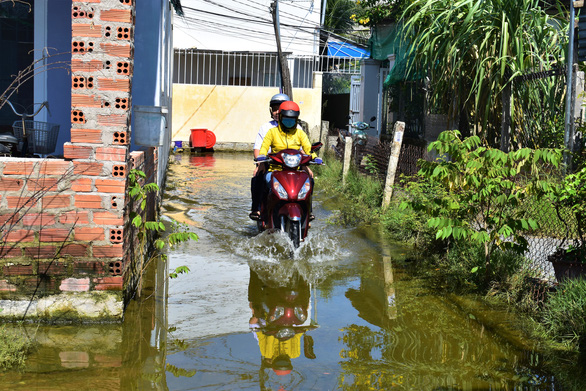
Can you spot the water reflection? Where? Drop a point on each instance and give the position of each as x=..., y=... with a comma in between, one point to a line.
x=417, y=340
x=205, y=160
x=280, y=320
x=117, y=357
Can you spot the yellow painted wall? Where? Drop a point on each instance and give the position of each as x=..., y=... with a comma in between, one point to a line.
x=235, y=113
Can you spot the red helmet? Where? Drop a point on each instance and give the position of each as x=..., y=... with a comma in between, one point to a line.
x=289, y=109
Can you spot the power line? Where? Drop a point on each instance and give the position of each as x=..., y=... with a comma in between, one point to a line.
x=215, y=21
x=239, y=32
x=196, y=21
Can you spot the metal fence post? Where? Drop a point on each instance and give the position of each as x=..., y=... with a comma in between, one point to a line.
x=347, y=158
x=393, y=162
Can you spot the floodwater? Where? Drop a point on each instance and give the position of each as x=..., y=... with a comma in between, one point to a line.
x=348, y=313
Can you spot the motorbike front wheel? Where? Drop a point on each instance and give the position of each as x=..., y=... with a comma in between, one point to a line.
x=294, y=231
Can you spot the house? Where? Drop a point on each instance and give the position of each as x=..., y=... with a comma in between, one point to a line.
x=103, y=66
x=226, y=67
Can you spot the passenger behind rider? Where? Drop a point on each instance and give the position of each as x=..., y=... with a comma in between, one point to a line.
x=257, y=182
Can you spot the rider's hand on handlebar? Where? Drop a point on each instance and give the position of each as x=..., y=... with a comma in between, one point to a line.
x=260, y=158
x=318, y=160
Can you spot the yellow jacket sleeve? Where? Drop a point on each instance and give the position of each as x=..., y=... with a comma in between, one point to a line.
x=305, y=144
x=266, y=142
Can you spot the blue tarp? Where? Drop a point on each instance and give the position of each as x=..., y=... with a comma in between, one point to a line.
x=344, y=49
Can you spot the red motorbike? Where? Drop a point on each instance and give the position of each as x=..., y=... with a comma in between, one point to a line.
x=287, y=206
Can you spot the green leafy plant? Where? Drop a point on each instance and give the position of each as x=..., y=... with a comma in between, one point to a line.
x=337, y=18
x=370, y=164
x=146, y=230
x=482, y=191
x=373, y=12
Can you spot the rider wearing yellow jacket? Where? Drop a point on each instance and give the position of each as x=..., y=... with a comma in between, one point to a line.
x=286, y=135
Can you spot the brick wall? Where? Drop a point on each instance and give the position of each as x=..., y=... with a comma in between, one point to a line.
x=64, y=221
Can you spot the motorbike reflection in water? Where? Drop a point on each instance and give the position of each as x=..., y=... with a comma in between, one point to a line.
x=280, y=319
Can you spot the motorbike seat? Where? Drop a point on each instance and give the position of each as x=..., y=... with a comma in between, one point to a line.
x=8, y=138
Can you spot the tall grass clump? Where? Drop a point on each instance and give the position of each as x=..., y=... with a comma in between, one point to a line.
x=564, y=316
x=409, y=224
x=360, y=200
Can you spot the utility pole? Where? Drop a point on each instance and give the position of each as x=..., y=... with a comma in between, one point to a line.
x=569, y=117
x=283, y=66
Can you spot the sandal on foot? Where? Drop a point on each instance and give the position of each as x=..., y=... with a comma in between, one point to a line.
x=311, y=217
x=254, y=215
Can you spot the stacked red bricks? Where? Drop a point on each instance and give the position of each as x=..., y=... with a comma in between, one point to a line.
x=64, y=218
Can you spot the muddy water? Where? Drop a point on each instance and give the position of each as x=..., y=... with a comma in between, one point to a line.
x=360, y=321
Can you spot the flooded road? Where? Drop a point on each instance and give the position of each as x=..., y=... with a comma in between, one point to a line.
x=343, y=314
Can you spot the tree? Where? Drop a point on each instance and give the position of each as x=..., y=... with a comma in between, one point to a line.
x=373, y=12
x=338, y=16
x=472, y=49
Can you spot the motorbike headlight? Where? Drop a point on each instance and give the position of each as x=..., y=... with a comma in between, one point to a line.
x=285, y=333
x=280, y=190
x=279, y=311
x=304, y=190
x=291, y=160
x=300, y=314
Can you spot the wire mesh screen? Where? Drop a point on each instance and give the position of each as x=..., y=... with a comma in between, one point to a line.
x=372, y=158
x=538, y=109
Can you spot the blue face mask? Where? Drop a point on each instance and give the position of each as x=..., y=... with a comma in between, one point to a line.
x=288, y=122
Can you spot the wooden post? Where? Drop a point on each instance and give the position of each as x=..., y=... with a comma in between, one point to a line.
x=323, y=137
x=347, y=158
x=393, y=162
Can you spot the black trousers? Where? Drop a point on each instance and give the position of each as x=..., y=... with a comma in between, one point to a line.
x=257, y=190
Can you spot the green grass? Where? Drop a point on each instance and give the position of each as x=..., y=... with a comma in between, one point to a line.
x=361, y=198
x=564, y=316
x=14, y=348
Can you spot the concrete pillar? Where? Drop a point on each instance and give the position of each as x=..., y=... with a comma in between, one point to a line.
x=323, y=137
x=393, y=162
x=347, y=158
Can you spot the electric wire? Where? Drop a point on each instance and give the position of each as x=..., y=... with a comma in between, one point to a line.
x=209, y=25
x=198, y=22
x=239, y=31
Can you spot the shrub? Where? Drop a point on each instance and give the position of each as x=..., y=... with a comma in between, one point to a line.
x=407, y=223
x=481, y=197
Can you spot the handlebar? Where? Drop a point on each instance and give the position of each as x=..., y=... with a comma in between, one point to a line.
x=24, y=115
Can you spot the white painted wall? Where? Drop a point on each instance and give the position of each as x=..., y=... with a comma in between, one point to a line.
x=235, y=113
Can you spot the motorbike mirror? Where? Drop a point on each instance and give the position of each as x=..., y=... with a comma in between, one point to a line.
x=316, y=146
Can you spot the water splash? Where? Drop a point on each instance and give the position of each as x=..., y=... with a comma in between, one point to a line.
x=273, y=255
x=276, y=247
